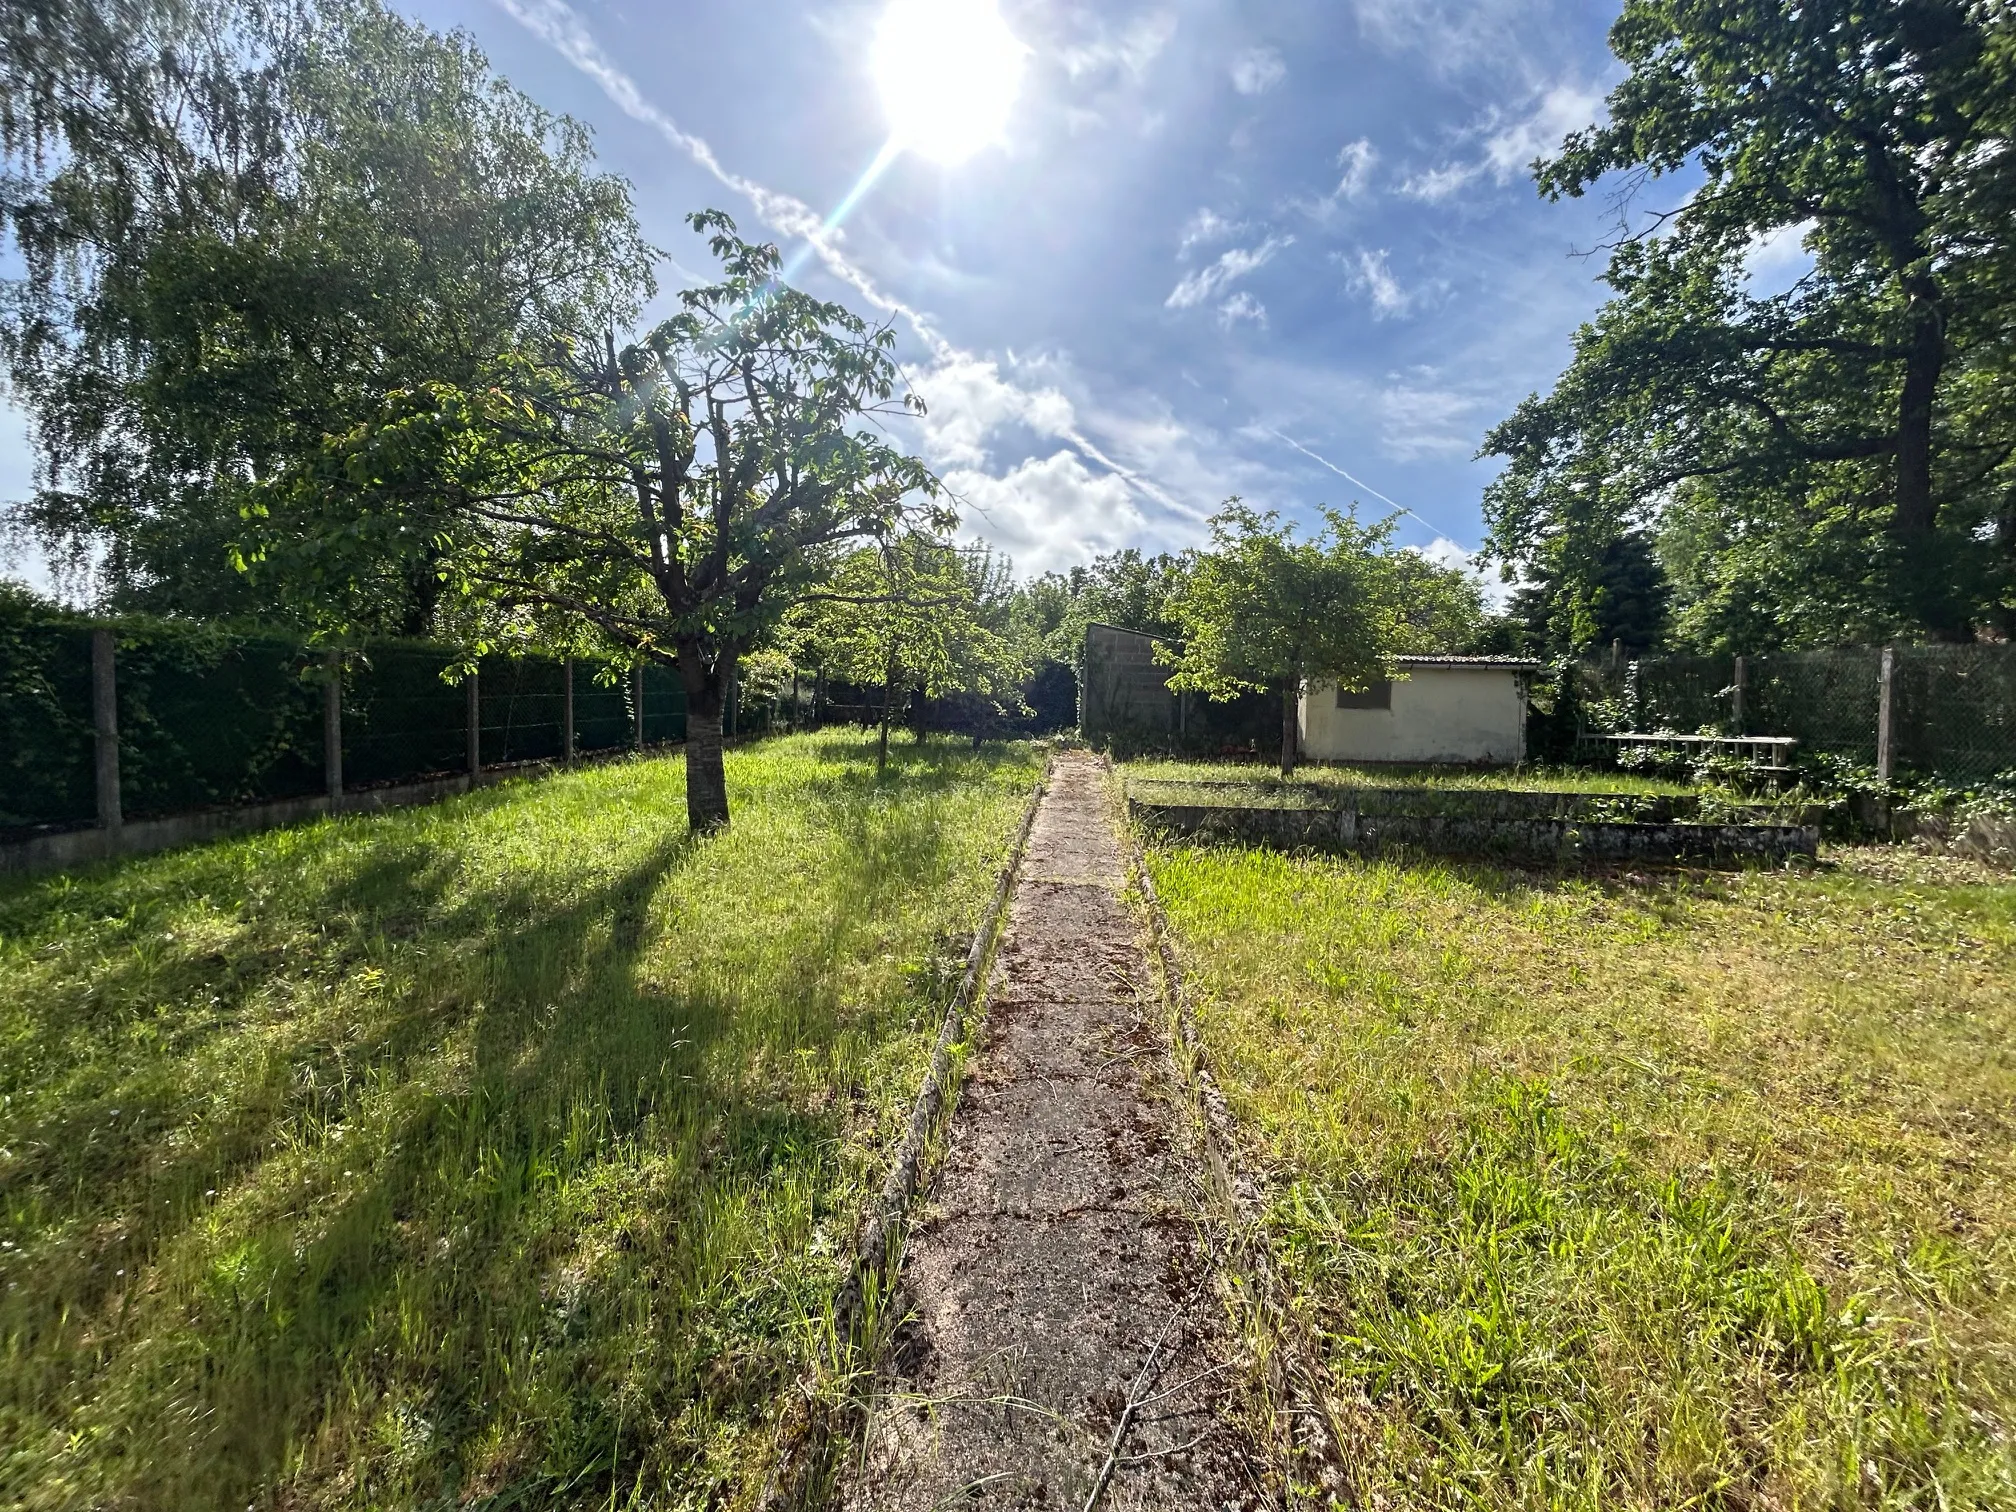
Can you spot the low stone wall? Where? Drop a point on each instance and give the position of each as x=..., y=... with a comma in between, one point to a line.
x=1354, y=829
x=1419, y=801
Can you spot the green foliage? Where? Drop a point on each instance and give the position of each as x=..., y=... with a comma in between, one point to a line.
x=1122, y=588
x=1827, y=463
x=1260, y=606
x=243, y=222
x=1261, y=610
x=667, y=499
x=913, y=614
x=1622, y=596
x=501, y=1152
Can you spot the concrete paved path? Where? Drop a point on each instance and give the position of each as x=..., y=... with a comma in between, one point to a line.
x=1057, y=1278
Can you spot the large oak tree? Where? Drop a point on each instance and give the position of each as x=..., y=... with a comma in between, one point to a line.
x=1843, y=446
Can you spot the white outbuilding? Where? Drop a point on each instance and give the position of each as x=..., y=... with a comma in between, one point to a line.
x=1469, y=709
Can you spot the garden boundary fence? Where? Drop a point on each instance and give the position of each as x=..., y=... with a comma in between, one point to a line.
x=1946, y=712
x=109, y=722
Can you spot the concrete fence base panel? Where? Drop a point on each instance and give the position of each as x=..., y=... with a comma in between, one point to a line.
x=80, y=847
x=1357, y=832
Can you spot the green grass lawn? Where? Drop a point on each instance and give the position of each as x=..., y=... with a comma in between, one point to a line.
x=497, y=1153
x=1643, y=1190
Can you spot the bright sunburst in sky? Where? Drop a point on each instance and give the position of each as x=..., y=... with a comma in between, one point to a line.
x=1139, y=254
x=948, y=71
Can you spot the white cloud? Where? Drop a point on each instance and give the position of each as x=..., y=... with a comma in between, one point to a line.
x=1776, y=260
x=1509, y=151
x=1128, y=52
x=1444, y=552
x=1457, y=36
x=1508, y=146
x=1421, y=417
x=1376, y=282
x=967, y=400
x=1257, y=70
x=1208, y=282
x=1357, y=159
x=1206, y=228
x=1242, y=306
x=1438, y=184
x=1050, y=511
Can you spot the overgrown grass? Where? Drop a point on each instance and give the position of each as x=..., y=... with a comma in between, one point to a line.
x=498, y=1153
x=1633, y=1191
x=1524, y=778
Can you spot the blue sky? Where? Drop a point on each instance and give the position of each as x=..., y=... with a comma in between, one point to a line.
x=1219, y=248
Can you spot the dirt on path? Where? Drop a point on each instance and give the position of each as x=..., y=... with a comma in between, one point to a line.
x=1065, y=1337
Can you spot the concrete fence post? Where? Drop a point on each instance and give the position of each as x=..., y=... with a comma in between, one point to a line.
x=332, y=726
x=1886, y=759
x=637, y=701
x=567, y=707
x=1736, y=696
x=105, y=724
x=474, y=696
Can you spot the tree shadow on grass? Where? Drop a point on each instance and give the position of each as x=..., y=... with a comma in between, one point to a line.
x=376, y=1322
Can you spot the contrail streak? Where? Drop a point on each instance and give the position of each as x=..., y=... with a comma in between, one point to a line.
x=1361, y=483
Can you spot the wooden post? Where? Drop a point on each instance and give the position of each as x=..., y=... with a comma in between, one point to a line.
x=475, y=700
x=1617, y=655
x=567, y=707
x=637, y=698
x=1885, y=725
x=332, y=727
x=105, y=721
x=1736, y=701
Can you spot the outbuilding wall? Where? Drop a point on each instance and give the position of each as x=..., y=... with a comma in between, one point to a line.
x=1438, y=714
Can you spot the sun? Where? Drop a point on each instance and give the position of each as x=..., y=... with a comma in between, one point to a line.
x=948, y=71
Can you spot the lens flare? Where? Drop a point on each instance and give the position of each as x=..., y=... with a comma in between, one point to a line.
x=948, y=71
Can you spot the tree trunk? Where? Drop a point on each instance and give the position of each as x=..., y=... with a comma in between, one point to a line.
x=888, y=702
x=1291, y=699
x=706, y=780
x=1915, y=516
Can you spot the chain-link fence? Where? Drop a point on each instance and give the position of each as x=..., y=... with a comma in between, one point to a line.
x=1952, y=709
x=208, y=716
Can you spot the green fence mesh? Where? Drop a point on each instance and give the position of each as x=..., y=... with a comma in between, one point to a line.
x=1952, y=708
x=45, y=722
x=209, y=716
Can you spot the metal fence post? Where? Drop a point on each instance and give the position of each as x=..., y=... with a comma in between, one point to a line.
x=1736, y=701
x=475, y=700
x=332, y=727
x=105, y=722
x=567, y=707
x=637, y=683
x=1885, y=728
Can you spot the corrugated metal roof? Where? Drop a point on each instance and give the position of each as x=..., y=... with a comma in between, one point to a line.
x=1510, y=663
